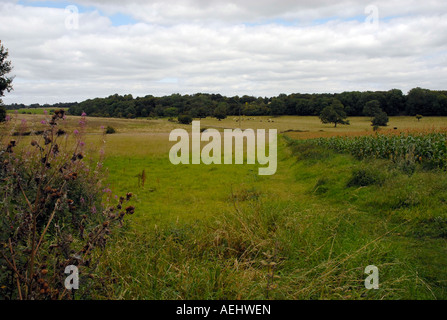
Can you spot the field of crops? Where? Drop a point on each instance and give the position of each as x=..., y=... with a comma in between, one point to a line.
x=429, y=148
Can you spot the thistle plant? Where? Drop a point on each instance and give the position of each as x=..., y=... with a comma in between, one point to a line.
x=51, y=213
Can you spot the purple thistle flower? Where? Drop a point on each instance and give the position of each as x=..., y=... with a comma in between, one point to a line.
x=45, y=111
x=93, y=209
x=83, y=114
x=75, y=131
x=43, y=122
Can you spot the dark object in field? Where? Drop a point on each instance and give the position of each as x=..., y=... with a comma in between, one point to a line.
x=60, y=132
x=297, y=130
x=27, y=133
x=110, y=130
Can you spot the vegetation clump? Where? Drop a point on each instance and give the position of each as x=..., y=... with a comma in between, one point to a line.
x=53, y=214
x=363, y=177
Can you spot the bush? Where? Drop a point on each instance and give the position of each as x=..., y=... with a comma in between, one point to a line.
x=52, y=215
x=365, y=177
x=110, y=130
x=380, y=119
x=185, y=119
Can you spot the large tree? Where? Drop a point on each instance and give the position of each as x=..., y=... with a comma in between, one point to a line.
x=334, y=113
x=371, y=108
x=5, y=82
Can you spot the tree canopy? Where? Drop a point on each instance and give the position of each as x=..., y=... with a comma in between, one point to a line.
x=199, y=105
x=334, y=113
x=5, y=81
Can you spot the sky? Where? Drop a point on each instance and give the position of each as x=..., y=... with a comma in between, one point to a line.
x=66, y=51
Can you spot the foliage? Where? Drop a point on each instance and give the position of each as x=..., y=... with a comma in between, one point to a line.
x=221, y=111
x=430, y=148
x=334, y=114
x=372, y=108
x=52, y=215
x=110, y=130
x=200, y=105
x=380, y=119
x=5, y=82
x=185, y=119
x=363, y=177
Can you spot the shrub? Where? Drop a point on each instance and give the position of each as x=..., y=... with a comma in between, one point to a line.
x=52, y=215
x=365, y=177
x=110, y=130
x=185, y=119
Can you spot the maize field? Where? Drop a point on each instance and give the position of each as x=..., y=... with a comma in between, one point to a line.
x=419, y=147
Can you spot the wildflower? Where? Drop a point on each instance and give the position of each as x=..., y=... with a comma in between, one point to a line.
x=43, y=122
x=7, y=118
x=82, y=143
x=83, y=114
x=94, y=210
x=76, y=131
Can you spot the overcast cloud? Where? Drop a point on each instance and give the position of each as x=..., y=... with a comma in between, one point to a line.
x=259, y=48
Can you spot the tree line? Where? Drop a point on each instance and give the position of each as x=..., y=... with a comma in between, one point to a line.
x=394, y=102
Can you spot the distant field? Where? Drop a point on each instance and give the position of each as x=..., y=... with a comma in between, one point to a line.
x=30, y=111
x=304, y=127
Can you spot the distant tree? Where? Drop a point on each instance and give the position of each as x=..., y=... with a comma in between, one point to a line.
x=277, y=106
x=371, y=108
x=171, y=112
x=380, y=119
x=419, y=117
x=334, y=113
x=5, y=82
x=184, y=119
x=221, y=111
x=395, y=102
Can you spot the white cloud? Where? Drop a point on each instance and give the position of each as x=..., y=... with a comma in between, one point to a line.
x=205, y=46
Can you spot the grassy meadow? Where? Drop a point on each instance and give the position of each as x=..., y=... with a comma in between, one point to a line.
x=306, y=232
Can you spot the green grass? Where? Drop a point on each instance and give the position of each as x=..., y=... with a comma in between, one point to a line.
x=210, y=232
x=206, y=232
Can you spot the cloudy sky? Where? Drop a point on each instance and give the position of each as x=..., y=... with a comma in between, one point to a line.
x=73, y=50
